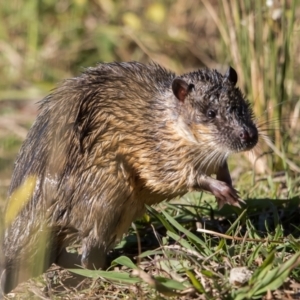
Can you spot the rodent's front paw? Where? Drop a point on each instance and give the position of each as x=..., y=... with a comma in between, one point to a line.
x=225, y=193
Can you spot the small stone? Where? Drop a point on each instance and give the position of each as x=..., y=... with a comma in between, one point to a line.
x=239, y=276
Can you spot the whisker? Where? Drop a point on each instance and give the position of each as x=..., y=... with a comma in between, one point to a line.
x=208, y=162
x=266, y=138
x=272, y=107
x=205, y=158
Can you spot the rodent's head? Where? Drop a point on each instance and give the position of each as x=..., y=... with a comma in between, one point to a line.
x=214, y=111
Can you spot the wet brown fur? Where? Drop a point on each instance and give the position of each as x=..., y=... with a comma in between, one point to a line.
x=110, y=141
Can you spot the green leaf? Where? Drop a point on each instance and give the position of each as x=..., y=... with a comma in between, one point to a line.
x=276, y=277
x=109, y=275
x=189, y=234
x=124, y=261
x=196, y=283
x=160, y=218
x=267, y=279
x=151, y=253
x=208, y=273
x=184, y=243
x=267, y=264
x=235, y=223
x=170, y=283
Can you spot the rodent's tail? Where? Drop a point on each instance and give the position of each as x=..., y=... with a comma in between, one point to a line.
x=2, y=260
x=2, y=276
x=17, y=271
x=9, y=280
x=10, y=275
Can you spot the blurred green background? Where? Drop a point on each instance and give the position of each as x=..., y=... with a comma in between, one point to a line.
x=43, y=42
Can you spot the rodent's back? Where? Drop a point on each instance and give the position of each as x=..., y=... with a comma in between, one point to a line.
x=128, y=92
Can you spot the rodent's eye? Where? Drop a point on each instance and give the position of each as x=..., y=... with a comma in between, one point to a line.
x=211, y=114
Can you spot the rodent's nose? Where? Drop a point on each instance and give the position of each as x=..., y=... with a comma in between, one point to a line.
x=248, y=134
x=244, y=135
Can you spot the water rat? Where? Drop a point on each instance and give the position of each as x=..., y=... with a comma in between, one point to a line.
x=106, y=143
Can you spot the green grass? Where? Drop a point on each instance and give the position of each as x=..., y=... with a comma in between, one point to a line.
x=187, y=248
x=178, y=258
x=184, y=249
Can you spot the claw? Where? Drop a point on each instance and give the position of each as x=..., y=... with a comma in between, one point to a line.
x=242, y=201
x=220, y=203
x=223, y=191
x=236, y=204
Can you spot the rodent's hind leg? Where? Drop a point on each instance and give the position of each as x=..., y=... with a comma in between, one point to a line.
x=68, y=260
x=93, y=257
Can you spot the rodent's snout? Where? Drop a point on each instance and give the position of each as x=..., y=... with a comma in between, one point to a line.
x=249, y=136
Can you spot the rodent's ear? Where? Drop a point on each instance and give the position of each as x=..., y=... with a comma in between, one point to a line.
x=231, y=76
x=181, y=89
